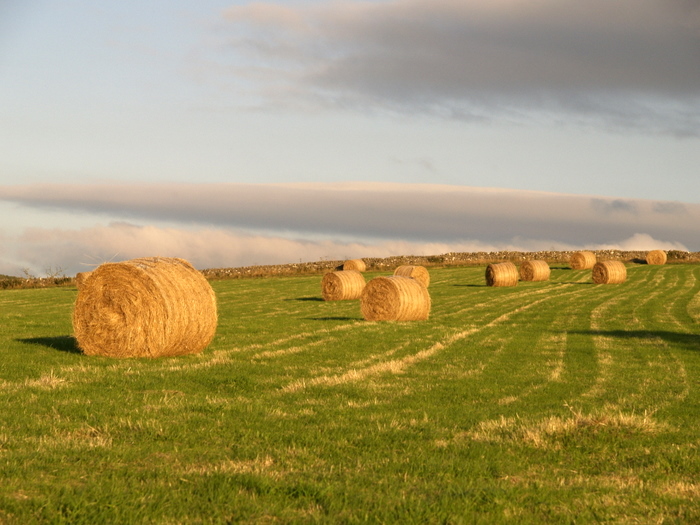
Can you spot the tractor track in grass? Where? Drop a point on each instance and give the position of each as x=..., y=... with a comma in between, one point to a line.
x=482, y=316
x=478, y=325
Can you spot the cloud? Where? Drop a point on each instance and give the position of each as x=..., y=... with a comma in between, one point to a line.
x=623, y=63
x=671, y=208
x=617, y=206
x=41, y=251
x=75, y=250
x=641, y=242
x=413, y=212
x=241, y=224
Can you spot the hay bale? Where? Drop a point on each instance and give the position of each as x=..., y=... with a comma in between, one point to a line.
x=80, y=279
x=355, y=264
x=419, y=273
x=534, y=271
x=656, y=257
x=395, y=298
x=501, y=274
x=343, y=285
x=609, y=272
x=150, y=307
x=582, y=260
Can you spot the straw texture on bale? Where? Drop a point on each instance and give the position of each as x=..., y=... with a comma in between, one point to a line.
x=534, y=271
x=502, y=274
x=419, y=273
x=343, y=285
x=609, y=272
x=355, y=264
x=80, y=279
x=150, y=307
x=395, y=298
x=656, y=257
x=582, y=260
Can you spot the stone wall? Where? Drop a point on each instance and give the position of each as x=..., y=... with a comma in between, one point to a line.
x=444, y=260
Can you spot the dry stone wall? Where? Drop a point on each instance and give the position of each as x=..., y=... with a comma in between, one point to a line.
x=448, y=259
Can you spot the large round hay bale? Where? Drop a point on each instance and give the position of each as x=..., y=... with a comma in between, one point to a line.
x=150, y=307
x=395, y=298
x=355, y=264
x=656, y=257
x=343, y=285
x=502, y=274
x=609, y=272
x=534, y=271
x=419, y=273
x=582, y=260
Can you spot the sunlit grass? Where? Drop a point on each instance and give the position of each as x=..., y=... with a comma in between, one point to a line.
x=560, y=402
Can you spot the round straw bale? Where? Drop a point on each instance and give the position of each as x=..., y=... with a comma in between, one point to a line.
x=502, y=274
x=80, y=279
x=355, y=264
x=534, y=271
x=395, y=298
x=582, y=260
x=609, y=272
x=419, y=273
x=656, y=257
x=150, y=307
x=343, y=285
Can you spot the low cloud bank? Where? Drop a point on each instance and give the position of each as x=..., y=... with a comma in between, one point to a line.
x=218, y=225
x=41, y=251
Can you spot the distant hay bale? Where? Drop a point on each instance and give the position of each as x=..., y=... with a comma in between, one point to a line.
x=355, y=264
x=395, y=298
x=342, y=285
x=502, y=274
x=609, y=272
x=582, y=260
x=80, y=279
x=534, y=271
x=656, y=257
x=150, y=307
x=419, y=273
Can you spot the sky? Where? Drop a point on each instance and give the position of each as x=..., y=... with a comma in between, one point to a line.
x=234, y=133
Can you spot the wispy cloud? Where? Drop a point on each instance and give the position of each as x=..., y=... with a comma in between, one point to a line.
x=218, y=225
x=616, y=206
x=623, y=63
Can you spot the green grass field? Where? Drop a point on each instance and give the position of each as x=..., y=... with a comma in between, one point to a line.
x=551, y=402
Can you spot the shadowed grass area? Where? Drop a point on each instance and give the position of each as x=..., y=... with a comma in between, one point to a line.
x=65, y=343
x=546, y=402
x=689, y=341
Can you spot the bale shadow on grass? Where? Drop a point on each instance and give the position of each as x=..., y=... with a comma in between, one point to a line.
x=63, y=343
x=306, y=299
x=689, y=341
x=335, y=318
